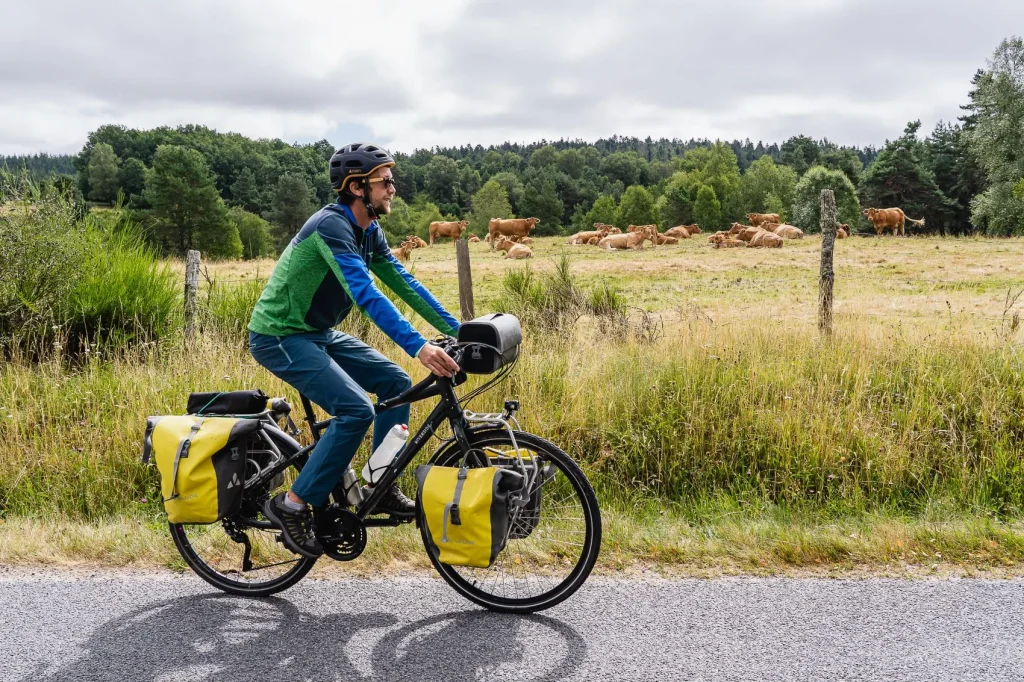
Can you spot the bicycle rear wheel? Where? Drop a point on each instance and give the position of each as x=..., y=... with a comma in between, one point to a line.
x=240, y=554
x=551, y=549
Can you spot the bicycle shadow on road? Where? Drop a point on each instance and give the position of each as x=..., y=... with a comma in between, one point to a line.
x=219, y=637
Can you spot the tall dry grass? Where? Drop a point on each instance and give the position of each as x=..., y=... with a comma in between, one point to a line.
x=762, y=415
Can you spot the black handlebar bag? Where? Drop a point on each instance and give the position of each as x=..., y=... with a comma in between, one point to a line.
x=499, y=337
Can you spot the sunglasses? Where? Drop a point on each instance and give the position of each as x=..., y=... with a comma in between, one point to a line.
x=388, y=182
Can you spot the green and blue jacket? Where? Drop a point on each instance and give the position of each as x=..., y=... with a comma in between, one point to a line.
x=326, y=270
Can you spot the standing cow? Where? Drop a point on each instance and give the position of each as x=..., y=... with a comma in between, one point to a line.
x=453, y=229
x=890, y=218
x=511, y=227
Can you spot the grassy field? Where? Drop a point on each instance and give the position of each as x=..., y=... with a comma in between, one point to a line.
x=729, y=436
x=879, y=281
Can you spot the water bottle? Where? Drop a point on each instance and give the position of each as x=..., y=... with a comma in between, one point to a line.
x=385, y=453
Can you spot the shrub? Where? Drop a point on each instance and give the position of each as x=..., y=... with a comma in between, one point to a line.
x=125, y=293
x=41, y=253
x=807, y=199
x=82, y=280
x=555, y=301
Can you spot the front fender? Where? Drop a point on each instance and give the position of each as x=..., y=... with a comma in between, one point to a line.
x=482, y=429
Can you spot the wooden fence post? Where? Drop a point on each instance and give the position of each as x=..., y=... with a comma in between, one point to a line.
x=465, y=279
x=191, y=293
x=827, y=277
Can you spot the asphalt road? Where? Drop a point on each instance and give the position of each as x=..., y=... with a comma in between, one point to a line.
x=116, y=626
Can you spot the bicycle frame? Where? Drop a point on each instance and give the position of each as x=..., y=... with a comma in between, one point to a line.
x=448, y=408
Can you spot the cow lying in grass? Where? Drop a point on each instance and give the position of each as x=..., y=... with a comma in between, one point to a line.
x=511, y=249
x=766, y=240
x=404, y=251
x=631, y=240
x=683, y=231
x=784, y=231
x=417, y=243
x=722, y=240
x=584, y=237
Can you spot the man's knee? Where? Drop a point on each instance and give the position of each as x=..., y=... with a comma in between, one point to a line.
x=362, y=414
x=399, y=382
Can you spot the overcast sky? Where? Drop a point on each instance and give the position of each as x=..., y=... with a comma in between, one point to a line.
x=419, y=73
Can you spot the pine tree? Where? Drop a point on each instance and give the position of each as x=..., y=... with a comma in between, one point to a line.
x=187, y=209
x=103, y=181
x=900, y=177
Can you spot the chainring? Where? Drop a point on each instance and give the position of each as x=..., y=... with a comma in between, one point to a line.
x=341, y=533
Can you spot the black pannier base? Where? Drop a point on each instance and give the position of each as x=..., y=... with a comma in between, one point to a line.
x=499, y=330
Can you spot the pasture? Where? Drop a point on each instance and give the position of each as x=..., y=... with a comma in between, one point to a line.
x=921, y=282
x=732, y=438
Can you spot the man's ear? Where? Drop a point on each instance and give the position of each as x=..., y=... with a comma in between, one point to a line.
x=354, y=185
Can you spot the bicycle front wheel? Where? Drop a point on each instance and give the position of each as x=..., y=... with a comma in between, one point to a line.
x=553, y=543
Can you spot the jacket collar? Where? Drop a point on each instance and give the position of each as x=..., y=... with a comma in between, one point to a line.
x=347, y=211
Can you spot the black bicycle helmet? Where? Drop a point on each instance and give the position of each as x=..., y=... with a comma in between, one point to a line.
x=357, y=160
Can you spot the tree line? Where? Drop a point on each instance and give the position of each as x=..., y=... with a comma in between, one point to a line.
x=232, y=196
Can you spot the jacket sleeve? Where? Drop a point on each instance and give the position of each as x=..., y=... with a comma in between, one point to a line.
x=409, y=289
x=338, y=247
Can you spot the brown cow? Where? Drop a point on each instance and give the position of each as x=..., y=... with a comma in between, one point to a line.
x=611, y=228
x=667, y=239
x=473, y=238
x=512, y=249
x=744, y=232
x=722, y=240
x=417, y=243
x=843, y=231
x=766, y=239
x=785, y=231
x=511, y=227
x=890, y=218
x=650, y=228
x=404, y=251
x=441, y=228
x=585, y=237
x=758, y=218
x=632, y=240
x=679, y=232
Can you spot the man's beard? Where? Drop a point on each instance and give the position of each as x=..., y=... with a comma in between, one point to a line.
x=382, y=206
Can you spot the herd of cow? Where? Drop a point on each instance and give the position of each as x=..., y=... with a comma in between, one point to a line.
x=765, y=230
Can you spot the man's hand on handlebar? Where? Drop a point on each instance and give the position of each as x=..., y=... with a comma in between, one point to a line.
x=437, y=361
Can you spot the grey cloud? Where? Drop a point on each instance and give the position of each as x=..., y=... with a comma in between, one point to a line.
x=570, y=68
x=128, y=55
x=711, y=57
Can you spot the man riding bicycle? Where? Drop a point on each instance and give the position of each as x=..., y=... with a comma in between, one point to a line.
x=323, y=272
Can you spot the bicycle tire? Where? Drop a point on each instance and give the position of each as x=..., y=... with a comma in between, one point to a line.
x=471, y=588
x=242, y=586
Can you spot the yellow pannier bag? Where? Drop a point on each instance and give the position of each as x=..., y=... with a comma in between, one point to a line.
x=466, y=512
x=201, y=461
